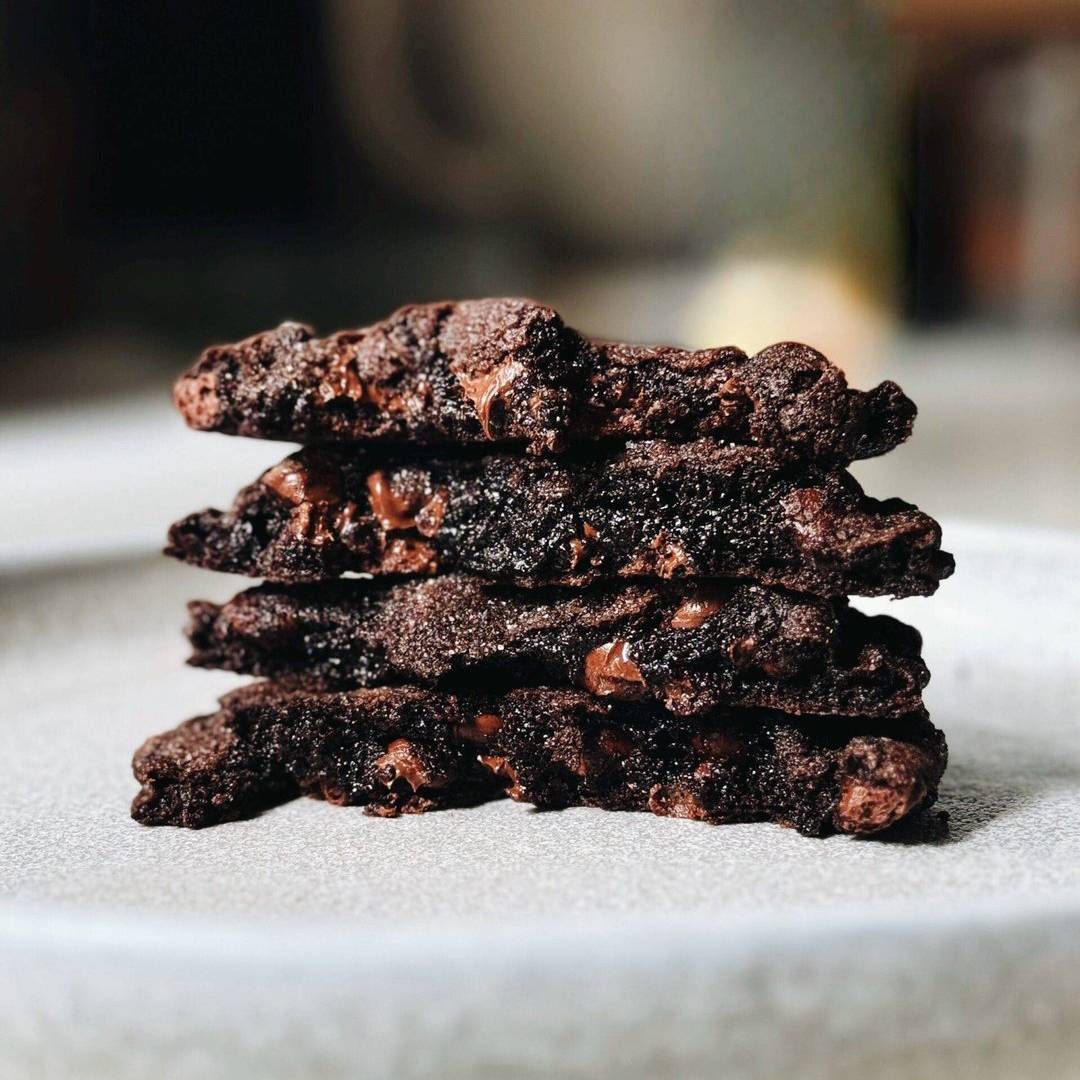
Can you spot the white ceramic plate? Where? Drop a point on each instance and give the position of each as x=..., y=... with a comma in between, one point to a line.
x=317, y=941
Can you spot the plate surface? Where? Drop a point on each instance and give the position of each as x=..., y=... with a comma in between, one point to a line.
x=314, y=939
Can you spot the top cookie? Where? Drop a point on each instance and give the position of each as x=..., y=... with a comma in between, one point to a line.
x=503, y=370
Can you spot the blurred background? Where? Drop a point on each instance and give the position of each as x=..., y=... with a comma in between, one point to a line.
x=896, y=183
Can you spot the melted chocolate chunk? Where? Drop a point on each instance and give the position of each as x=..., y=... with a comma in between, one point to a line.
x=510, y=370
x=654, y=509
x=404, y=751
x=740, y=644
x=609, y=672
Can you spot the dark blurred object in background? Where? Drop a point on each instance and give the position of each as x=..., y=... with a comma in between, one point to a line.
x=996, y=161
x=43, y=82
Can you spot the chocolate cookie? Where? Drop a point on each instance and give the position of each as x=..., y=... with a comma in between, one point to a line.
x=407, y=750
x=506, y=369
x=654, y=509
x=558, y=749
x=691, y=649
x=394, y=749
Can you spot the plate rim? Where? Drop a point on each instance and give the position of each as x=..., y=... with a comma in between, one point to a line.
x=106, y=931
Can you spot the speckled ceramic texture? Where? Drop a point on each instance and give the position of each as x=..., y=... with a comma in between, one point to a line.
x=314, y=940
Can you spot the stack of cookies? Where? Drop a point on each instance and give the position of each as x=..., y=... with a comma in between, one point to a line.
x=513, y=561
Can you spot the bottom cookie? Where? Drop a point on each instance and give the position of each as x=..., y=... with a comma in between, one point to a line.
x=408, y=750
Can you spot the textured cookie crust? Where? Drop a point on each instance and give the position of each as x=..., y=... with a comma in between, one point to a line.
x=407, y=750
x=690, y=648
x=818, y=776
x=653, y=509
x=394, y=750
x=508, y=369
